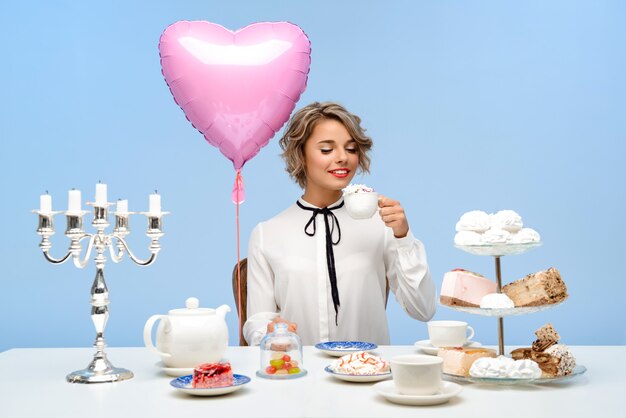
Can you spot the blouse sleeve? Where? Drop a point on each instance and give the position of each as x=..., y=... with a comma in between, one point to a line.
x=261, y=305
x=409, y=276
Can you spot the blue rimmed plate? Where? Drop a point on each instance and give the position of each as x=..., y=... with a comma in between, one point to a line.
x=183, y=384
x=359, y=378
x=340, y=348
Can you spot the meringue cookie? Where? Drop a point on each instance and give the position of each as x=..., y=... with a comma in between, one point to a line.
x=525, y=236
x=509, y=220
x=475, y=220
x=496, y=301
x=467, y=238
x=495, y=236
x=504, y=367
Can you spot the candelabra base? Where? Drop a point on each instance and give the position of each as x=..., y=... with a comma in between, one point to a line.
x=100, y=370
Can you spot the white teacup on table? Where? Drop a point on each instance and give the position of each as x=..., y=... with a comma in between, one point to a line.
x=416, y=374
x=449, y=333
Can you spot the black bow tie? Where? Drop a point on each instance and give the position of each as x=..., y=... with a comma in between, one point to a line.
x=330, y=255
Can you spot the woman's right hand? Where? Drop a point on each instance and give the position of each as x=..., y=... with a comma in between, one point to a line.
x=292, y=326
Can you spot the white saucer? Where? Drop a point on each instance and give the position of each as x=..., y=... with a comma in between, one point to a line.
x=174, y=371
x=389, y=391
x=428, y=348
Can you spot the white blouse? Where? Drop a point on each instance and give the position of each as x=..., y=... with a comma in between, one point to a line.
x=288, y=276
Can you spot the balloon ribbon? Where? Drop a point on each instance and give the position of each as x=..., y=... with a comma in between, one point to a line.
x=238, y=197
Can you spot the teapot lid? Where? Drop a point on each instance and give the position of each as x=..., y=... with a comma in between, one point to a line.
x=191, y=308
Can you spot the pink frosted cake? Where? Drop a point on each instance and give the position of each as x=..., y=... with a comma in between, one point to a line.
x=464, y=288
x=212, y=375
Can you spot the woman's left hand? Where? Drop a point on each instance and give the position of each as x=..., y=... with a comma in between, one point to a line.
x=393, y=216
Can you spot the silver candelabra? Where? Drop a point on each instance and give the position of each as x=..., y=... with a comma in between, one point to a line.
x=100, y=369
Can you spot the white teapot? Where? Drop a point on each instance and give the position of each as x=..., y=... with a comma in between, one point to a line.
x=189, y=336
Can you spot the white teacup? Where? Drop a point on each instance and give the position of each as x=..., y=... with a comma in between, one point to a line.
x=361, y=205
x=415, y=374
x=449, y=333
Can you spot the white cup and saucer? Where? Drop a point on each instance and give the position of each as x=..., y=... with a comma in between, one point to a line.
x=417, y=380
x=447, y=334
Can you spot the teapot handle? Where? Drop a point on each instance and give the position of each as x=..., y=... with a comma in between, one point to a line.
x=147, y=333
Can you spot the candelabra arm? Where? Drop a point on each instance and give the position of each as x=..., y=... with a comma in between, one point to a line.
x=46, y=245
x=116, y=256
x=136, y=260
x=75, y=249
x=53, y=260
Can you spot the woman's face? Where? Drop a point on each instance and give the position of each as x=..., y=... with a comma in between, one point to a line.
x=331, y=157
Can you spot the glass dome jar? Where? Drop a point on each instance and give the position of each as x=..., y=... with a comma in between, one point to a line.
x=281, y=354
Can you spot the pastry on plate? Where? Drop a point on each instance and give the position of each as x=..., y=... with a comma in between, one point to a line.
x=536, y=289
x=458, y=360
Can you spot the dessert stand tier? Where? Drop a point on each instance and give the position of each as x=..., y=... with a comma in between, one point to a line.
x=578, y=370
x=498, y=251
x=501, y=312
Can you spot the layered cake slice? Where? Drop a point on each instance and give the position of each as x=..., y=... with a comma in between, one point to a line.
x=212, y=375
x=541, y=288
x=464, y=288
x=458, y=360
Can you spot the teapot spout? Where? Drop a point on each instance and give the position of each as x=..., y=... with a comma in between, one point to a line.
x=222, y=311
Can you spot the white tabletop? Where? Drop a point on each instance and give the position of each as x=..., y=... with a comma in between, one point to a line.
x=33, y=385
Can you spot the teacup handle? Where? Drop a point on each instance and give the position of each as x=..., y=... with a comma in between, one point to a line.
x=469, y=337
x=147, y=333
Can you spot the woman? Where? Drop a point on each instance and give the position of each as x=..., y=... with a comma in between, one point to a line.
x=315, y=266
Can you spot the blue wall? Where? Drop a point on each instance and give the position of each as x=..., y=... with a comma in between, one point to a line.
x=472, y=105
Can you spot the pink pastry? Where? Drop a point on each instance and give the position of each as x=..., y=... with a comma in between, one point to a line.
x=464, y=288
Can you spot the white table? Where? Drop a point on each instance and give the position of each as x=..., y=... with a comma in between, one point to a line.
x=33, y=385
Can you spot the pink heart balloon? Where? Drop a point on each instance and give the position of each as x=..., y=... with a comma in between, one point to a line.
x=237, y=88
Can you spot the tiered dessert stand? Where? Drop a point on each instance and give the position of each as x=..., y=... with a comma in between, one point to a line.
x=498, y=251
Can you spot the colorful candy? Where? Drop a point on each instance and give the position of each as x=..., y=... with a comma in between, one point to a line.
x=281, y=364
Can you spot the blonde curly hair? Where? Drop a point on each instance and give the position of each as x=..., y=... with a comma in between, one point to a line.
x=301, y=126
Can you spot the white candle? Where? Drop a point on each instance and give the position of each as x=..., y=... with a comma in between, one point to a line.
x=101, y=194
x=155, y=204
x=45, y=203
x=122, y=206
x=73, y=201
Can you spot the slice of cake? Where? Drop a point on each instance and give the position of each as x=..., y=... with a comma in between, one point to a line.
x=212, y=375
x=561, y=361
x=458, y=361
x=464, y=288
x=541, y=288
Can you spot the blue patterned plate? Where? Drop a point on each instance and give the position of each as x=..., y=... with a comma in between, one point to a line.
x=340, y=348
x=183, y=384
